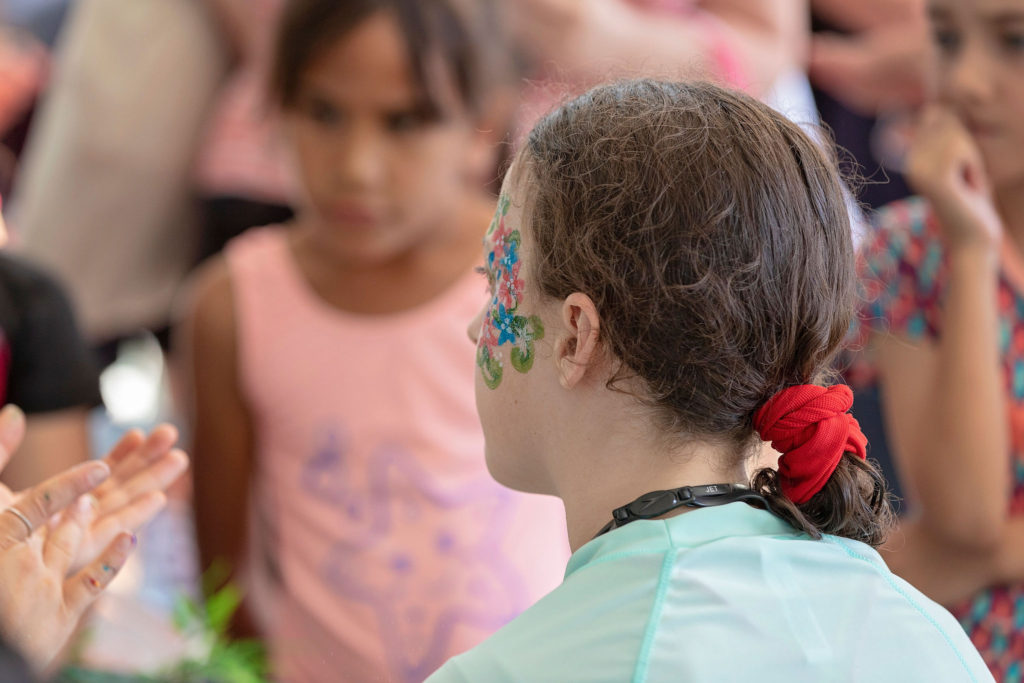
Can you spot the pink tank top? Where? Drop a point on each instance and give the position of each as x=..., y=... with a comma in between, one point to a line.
x=380, y=546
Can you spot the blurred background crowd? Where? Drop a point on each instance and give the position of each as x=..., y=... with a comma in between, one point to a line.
x=140, y=138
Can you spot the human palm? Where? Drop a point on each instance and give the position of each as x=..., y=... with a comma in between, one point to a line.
x=141, y=468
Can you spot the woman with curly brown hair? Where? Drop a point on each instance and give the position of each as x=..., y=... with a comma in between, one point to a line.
x=671, y=273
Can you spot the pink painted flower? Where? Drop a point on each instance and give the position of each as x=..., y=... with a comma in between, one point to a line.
x=510, y=289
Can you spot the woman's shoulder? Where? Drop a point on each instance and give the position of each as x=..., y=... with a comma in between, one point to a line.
x=592, y=627
x=766, y=602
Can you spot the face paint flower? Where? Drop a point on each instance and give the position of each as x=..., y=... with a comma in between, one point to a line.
x=509, y=289
x=503, y=323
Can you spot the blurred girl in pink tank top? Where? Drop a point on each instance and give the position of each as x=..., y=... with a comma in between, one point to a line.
x=338, y=457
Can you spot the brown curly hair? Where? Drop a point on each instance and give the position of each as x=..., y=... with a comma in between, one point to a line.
x=713, y=237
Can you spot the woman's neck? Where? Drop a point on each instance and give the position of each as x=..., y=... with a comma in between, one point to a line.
x=611, y=466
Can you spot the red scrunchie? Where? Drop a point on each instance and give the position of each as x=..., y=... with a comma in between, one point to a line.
x=810, y=426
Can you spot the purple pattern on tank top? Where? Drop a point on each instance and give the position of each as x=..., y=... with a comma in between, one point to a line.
x=481, y=586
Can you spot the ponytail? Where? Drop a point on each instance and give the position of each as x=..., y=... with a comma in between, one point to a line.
x=824, y=483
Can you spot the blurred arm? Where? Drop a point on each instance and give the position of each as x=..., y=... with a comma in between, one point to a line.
x=600, y=39
x=948, y=574
x=946, y=415
x=222, y=432
x=54, y=442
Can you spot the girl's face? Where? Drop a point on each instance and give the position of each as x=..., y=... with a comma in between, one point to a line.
x=381, y=174
x=980, y=48
x=515, y=380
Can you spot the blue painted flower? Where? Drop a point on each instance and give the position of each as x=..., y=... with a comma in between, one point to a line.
x=511, y=256
x=504, y=321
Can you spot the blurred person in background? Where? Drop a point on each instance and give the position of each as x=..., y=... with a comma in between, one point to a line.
x=42, y=18
x=23, y=66
x=879, y=62
x=337, y=449
x=244, y=178
x=868, y=64
x=943, y=330
x=104, y=195
x=759, y=46
x=46, y=368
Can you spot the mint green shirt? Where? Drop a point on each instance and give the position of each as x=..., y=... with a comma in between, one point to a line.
x=729, y=593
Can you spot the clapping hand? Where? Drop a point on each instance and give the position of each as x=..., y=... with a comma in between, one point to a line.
x=63, y=541
x=141, y=468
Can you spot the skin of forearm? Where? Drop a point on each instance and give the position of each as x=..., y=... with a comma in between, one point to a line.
x=963, y=444
x=619, y=38
x=950, y=575
x=945, y=574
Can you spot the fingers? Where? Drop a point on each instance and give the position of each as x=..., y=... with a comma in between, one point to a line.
x=156, y=476
x=63, y=541
x=133, y=453
x=943, y=145
x=124, y=446
x=940, y=150
x=130, y=518
x=12, y=430
x=41, y=502
x=84, y=587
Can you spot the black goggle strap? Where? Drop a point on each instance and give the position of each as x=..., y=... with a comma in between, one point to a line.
x=658, y=503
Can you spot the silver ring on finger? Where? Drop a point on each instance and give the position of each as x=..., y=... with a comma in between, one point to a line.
x=20, y=515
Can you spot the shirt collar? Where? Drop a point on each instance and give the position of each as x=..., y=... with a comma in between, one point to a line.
x=691, y=529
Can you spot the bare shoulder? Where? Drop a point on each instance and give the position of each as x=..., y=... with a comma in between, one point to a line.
x=206, y=307
x=204, y=338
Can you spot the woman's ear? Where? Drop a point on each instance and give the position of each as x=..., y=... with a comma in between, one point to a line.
x=577, y=346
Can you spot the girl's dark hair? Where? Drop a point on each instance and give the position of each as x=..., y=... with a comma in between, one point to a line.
x=713, y=237
x=461, y=35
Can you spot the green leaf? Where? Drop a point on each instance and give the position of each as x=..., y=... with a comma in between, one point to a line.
x=216, y=576
x=490, y=369
x=221, y=606
x=536, y=327
x=186, y=613
x=74, y=674
x=523, y=361
x=518, y=325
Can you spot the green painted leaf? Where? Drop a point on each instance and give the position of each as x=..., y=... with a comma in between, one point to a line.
x=536, y=327
x=519, y=324
x=490, y=369
x=523, y=361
